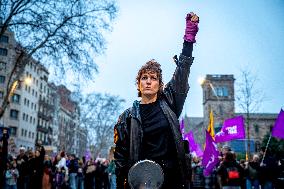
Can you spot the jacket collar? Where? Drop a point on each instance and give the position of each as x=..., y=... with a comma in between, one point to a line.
x=135, y=112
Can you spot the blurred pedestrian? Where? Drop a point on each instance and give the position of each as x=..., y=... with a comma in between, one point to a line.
x=22, y=166
x=47, y=173
x=198, y=180
x=73, y=170
x=252, y=170
x=3, y=155
x=11, y=175
x=230, y=174
x=268, y=167
x=81, y=176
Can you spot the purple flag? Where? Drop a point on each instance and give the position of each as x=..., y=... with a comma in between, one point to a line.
x=88, y=155
x=210, y=155
x=278, y=129
x=194, y=148
x=232, y=129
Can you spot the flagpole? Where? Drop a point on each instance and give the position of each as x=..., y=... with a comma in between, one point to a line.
x=266, y=149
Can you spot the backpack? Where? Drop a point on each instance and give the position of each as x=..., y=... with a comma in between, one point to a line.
x=253, y=174
x=233, y=173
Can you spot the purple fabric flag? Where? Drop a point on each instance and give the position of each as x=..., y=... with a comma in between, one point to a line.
x=88, y=155
x=194, y=148
x=232, y=129
x=210, y=155
x=182, y=128
x=278, y=129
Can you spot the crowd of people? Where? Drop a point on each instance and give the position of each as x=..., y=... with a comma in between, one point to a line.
x=261, y=171
x=35, y=169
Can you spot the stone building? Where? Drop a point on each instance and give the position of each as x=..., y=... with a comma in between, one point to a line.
x=219, y=96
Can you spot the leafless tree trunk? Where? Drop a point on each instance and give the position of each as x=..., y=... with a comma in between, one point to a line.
x=99, y=113
x=249, y=99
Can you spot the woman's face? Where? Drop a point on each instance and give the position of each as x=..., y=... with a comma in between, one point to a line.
x=37, y=153
x=149, y=84
x=58, y=157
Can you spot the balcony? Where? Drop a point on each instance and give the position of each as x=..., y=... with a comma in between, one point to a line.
x=42, y=129
x=44, y=116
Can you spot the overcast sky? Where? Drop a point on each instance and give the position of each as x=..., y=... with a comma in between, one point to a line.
x=232, y=34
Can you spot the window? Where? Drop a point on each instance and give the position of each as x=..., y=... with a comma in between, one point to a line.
x=14, y=114
x=3, y=66
x=24, y=116
x=22, y=132
x=16, y=98
x=13, y=131
x=221, y=112
x=221, y=91
x=4, y=39
x=25, y=133
x=1, y=94
x=256, y=128
x=2, y=79
x=3, y=52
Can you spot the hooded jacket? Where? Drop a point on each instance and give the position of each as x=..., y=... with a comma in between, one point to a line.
x=128, y=131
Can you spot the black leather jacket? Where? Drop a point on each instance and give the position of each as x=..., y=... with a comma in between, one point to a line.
x=128, y=132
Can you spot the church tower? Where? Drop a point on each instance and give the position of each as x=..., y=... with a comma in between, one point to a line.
x=218, y=95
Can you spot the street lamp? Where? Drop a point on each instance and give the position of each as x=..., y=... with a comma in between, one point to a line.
x=10, y=92
x=26, y=80
x=202, y=80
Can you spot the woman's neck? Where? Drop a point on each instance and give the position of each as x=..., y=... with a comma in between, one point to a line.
x=148, y=99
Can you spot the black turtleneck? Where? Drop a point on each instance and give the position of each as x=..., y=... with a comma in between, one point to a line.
x=158, y=142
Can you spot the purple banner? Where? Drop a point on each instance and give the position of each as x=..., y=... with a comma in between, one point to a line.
x=278, y=129
x=194, y=148
x=210, y=155
x=232, y=129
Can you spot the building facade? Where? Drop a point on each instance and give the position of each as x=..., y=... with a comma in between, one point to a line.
x=39, y=111
x=68, y=122
x=21, y=114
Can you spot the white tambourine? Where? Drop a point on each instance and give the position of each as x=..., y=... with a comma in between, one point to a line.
x=146, y=174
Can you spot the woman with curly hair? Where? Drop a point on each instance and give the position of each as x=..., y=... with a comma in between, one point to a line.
x=150, y=128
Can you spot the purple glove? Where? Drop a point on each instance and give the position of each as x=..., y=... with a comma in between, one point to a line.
x=191, y=27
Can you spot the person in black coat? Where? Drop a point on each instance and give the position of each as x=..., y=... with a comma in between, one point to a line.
x=3, y=155
x=37, y=166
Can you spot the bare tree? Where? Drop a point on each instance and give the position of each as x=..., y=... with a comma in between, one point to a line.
x=249, y=99
x=99, y=112
x=64, y=35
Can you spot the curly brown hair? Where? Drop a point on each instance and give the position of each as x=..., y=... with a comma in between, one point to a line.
x=152, y=66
